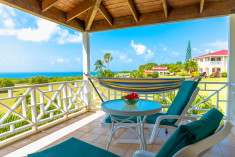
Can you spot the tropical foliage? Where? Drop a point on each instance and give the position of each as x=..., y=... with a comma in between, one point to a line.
x=107, y=73
x=188, y=53
x=5, y=82
x=108, y=58
x=190, y=66
x=39, y=80
x=99, y=66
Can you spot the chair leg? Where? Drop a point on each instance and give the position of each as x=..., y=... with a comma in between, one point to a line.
x=166, y=131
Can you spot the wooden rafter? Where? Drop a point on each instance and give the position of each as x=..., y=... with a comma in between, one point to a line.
x=186, y=13
x=164, y=2
x=47, y=4
x=106, y=14
x=34, y=7
x=79, y=10
x=91, y=14
x=202, y=5
x=133, y=10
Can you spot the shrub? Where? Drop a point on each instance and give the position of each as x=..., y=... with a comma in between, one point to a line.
x=155, y=75
x=211, y=75
x=39, y=80
x=194, y=74
x=107, y=73
x=224, y=74
x=5, y=82
x=148, y=75
x=183, y=74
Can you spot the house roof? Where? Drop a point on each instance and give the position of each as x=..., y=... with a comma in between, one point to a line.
x=104, y=15
x=218, y=53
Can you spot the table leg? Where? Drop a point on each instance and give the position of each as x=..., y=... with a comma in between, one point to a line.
x=121, y=123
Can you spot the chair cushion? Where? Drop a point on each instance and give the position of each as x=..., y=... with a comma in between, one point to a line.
x=182, y=98
x=73, y=148
x=151, y=119
x=191, y=133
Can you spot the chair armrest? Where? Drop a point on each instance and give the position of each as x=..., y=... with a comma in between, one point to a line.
x=143, y=153
x=175, y=117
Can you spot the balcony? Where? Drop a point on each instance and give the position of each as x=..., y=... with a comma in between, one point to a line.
x=38, y=118
x=211, y=63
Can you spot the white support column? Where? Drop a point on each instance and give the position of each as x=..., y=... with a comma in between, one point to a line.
x=231, y=71
x=86, y=67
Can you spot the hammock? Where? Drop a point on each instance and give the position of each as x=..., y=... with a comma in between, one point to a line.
x=140, y=85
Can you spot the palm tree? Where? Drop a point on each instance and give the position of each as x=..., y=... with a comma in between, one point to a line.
x=190, y=66
x=99, y=66
x=108, y=58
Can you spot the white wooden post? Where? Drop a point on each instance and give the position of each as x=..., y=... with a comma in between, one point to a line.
x=231, y=71
x=86, y=68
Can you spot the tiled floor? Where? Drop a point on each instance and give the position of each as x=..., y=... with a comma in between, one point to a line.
x=98, y=136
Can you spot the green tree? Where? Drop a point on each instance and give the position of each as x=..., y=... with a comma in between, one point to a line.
x=5, y=82
x=155, y=75
x=99, y=66
x=188, y=54
x=108, y=58
x=190, y=66
x=174, y=68
x=107, y=73
x=39, y=80
x=179, y=63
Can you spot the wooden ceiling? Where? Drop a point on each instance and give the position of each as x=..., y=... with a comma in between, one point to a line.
x=104, y=15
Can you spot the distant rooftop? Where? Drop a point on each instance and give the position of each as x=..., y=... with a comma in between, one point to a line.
x=217, y=53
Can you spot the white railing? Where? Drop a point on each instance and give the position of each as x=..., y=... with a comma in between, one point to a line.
x=215, y=62
x=35, y=107
x=28, y=109
x=211, y=95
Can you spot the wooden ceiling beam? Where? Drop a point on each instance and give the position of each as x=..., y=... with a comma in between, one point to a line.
x=133, y=10
x=213, y=9
x=164, y=3
x=81, y=8
x=47, y=4
x=106, y=14
x=34, y=7
x=91, y=14
x=202, y=6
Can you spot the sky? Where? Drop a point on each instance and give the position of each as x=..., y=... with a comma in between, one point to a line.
x=31, y=44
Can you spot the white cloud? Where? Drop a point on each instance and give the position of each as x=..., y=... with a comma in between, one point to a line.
x=45, y=29
x=65, y=37
x=219, y=45
x=60, y=60
x=129, y=60
x=8, y=23
x=122, y=57
x=202, y=51
x=164, y=49
x=139, y=48
x=175, y=54
x=78, y=60
x=149, y=55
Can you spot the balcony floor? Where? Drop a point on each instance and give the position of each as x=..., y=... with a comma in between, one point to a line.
x=98, y=136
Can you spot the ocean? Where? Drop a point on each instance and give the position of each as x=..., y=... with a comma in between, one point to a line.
x=45, y=74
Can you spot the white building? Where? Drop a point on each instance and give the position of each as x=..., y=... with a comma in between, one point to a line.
x=160, y=68
x=212, y=62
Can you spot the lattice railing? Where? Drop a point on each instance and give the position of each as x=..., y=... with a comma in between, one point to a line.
x=211, y=95
x=30, y=108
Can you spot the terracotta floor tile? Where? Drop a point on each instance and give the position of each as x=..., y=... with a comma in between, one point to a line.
x=133, y=148
x=7, y=150
x=76, y=134
x=51, y=130
x=119, y=148
x=229, y=141
x=155, y=148
x=86, y=128
x=228, y=151
x=102, y=140
x=38, y=136
x=22, y=143
x=89, y=137
x=99, y=130
x=215, y=150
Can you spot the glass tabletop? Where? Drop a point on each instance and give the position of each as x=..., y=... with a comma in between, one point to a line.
x=141, y=105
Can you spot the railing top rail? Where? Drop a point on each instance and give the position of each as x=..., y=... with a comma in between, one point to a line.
x=205, y=82
x=39, y=85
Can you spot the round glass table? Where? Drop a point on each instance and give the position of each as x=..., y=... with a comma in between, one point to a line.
x=133, y=116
